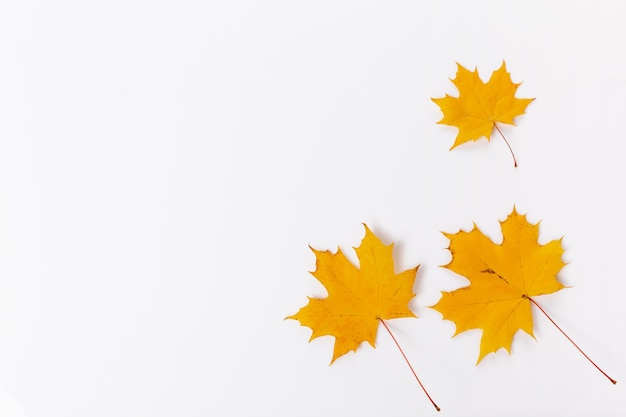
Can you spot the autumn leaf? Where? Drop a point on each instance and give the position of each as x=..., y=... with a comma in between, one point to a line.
x=359, y=299
x=480, y=105
x=503, y=279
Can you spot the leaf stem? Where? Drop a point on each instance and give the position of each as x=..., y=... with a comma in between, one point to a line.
x=409, y=363
x=507, y=143
x=571, y=341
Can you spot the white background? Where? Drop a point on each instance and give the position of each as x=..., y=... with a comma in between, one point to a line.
x=164, y=166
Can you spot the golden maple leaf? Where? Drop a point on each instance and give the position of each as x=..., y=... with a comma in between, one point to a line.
x=502, y=278
x=358, y=299
x=480, y=105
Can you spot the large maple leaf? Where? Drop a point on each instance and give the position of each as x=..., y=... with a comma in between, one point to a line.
x=480, y=105
x=358, y=299
x=502, y=278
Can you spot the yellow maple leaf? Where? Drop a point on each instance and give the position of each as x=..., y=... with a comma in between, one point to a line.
x=480, y=105
x=502, y=278
x=358, y=299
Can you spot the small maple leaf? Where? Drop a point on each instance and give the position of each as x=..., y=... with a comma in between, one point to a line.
x=358, y=299
x=480, y=105
x=502, y=279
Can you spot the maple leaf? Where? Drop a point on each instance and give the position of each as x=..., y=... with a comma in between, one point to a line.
x=480, y=105
x=358, y=299
x=502, y=278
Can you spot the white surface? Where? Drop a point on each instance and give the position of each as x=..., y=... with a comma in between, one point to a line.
x=165, y=165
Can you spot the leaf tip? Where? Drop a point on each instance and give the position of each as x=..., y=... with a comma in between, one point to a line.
x=368, y=233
